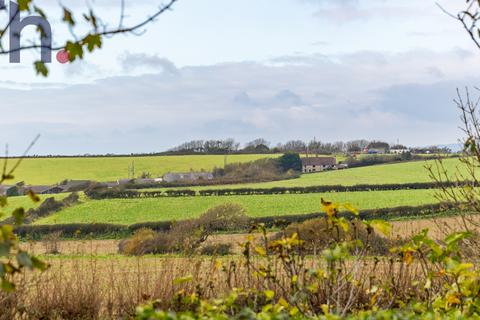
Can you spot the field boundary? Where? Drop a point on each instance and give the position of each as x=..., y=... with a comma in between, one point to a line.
x=105, y=193
x=105, y=230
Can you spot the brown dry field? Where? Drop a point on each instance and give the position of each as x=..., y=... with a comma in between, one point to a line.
x=89, y=277
x=438, y=229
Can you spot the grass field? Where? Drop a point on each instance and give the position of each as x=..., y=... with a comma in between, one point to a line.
x=26, y=203
x=53, y=170
x=130, y=211
x=405, y=172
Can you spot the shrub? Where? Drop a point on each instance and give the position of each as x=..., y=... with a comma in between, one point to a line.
x=317, y=235
x=225, y=217
x=136, y=244
x=290, y=161
x=186, y=236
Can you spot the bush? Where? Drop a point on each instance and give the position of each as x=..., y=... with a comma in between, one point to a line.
x=186, y=236
x=290, y=161
x=317, y=235
x=135, y=245
x=225, y=217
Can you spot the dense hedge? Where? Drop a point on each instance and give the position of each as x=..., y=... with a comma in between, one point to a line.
x=103, y=193
x=203, y=183
x=107, y=230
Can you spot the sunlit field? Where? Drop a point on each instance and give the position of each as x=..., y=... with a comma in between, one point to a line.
x=54, y=170
x=130, y=211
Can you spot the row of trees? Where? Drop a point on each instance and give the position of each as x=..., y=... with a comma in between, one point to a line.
x=261, y=145
x=314, y=147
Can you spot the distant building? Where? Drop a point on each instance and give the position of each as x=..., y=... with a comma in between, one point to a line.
x=318, y=164
x=9, y=191
x=377, y=147
x=190, y=176
x=75, y=185
x=399, y=151
x=41, y=189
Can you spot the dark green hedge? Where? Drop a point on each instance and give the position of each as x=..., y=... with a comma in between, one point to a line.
x=103, y=193
x=105, y=230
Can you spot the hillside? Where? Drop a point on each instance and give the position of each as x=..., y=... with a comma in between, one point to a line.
x=53, y=170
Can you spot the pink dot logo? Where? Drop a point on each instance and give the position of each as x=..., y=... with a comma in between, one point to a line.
x=62, y=56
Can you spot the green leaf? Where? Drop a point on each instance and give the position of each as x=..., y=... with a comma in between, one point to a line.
x=40, y=12
x=93, y=41
x=351, y=208
x=23, y=5
x=4, y=249
x=456, y=237
x=3, y=201
x=39, y=264
x=7, y=286
x=19, y=215
x=269, y=294
x=24, y=260
x=382, y=227
x=183, y=279
x=41, y=68
x=33, y=196
x=74, y=50
x=68, y=17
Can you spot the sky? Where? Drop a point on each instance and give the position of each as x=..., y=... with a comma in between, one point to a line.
x=278, y=69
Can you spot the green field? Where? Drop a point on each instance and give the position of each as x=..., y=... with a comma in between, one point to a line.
x=26, y=203
x=405, y=172
x=54, y=170
x=129, y=211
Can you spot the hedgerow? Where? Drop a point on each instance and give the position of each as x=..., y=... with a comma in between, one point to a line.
x=100, y=193
x=114, y=230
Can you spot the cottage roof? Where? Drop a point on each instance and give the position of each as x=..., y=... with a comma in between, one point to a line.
x=319, y=161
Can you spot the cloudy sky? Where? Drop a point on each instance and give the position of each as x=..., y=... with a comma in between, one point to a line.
x=278, y=69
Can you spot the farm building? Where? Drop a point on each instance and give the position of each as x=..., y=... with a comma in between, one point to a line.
x=399, y=151
x=190, y=176
x=317, y=164
x=41, y=189
x=377, y=147
x=9, y=191
x=74, y=185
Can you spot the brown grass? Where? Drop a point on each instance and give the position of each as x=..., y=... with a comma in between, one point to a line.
x=94, y=288
x=438, y=228
x=97, y=283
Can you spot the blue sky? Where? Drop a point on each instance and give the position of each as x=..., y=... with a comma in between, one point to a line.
x=278, y=69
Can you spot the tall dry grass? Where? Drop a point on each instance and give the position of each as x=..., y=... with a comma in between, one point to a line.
x=89, y=281
x=112, y=287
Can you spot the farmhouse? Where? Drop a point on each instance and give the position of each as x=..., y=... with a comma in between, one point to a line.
x=318, y=164
x=190, y=176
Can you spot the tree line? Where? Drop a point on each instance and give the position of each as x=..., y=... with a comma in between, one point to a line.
x=314, y=147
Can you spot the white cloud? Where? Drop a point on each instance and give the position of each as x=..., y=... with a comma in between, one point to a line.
x=365, y=94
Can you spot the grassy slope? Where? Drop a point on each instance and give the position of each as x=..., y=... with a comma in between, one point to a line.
x=405, y=172
x=26, y=203
x=53, y=170
x=127, y=211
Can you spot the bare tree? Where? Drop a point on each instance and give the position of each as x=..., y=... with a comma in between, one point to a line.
x=468, y=18
x=461, y=188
